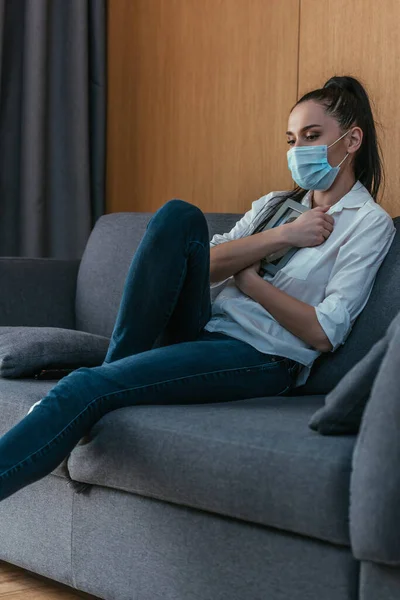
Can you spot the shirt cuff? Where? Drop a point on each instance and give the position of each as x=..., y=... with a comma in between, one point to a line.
x=334, y=319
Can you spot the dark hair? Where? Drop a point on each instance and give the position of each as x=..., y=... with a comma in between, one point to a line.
x=345, y=99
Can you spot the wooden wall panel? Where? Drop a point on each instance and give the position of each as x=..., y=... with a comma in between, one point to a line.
x=359, y=38
x=198, y=100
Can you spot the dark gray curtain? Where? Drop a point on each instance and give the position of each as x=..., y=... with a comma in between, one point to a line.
x=52, y=125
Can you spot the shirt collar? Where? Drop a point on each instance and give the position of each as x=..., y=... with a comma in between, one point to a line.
x=355, y=198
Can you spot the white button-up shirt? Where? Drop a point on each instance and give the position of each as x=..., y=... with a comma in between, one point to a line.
x=335, y=277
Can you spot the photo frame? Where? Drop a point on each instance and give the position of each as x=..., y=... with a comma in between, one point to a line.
x=288, y=212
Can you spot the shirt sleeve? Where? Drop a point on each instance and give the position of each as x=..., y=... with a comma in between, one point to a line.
x=353, y=276
x=242, y=226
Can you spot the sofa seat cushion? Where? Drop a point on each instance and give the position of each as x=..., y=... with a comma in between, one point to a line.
x=255, y=460
x=16, y=398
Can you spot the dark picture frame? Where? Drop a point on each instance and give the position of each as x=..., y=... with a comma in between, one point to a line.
x=288, y=212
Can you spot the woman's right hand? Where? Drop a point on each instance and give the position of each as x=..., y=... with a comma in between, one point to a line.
x=312, y=228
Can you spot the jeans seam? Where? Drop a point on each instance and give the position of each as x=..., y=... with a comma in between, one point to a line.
x=206, y=289
x=123, y=392
x=177, y=293
x=180, y=283
x=199, y=243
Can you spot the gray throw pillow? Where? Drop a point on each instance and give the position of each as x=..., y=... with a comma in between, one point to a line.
x=25, y=351
x=345, y=404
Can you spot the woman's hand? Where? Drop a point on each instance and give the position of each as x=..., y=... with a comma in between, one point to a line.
x=312, y=228
x=243, y=278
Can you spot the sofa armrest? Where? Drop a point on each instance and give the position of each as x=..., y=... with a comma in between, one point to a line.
x=38, y=292
x=375, y=479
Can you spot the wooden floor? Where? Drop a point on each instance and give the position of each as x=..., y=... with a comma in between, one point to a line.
x=18, y=584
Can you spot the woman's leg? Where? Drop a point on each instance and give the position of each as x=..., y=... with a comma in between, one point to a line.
x=214, y=368
x=166, y=297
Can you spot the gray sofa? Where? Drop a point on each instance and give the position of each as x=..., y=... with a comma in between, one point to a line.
x=223, y=501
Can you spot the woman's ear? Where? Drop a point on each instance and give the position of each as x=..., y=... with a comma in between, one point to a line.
x=354, y=140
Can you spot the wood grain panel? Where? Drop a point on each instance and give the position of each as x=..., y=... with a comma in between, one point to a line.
x=358, y=38
x=199, y=95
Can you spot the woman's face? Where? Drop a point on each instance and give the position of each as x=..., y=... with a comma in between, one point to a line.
x=309, y=125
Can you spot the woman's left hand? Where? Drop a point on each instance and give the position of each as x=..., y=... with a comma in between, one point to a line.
x=244, y=277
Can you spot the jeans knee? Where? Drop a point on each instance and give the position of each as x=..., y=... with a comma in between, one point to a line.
x=177, y=213
x=176, y=204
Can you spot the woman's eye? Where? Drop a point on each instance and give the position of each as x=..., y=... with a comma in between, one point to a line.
x=311, y=137
x=290, y=142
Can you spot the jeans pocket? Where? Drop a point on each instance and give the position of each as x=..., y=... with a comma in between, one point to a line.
x=294, y=369
x=276, y=360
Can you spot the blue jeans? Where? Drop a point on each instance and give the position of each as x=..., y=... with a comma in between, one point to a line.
x=159, y=353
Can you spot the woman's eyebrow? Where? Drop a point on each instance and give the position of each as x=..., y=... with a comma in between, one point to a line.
x=305, y=128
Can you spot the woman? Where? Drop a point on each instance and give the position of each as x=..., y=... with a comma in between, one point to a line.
x=262, y=333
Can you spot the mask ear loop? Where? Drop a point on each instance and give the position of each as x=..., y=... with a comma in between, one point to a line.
x=347, y=154
x=342, y=161
x=342, y=136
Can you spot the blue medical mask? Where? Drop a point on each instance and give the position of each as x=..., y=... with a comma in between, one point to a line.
x=310, y=167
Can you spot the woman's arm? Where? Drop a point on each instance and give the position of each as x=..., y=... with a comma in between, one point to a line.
x=230, y=257
x=310, y=229
x=327, y=325
x=296, y=316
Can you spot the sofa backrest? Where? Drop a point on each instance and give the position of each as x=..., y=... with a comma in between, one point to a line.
x=116, y=236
